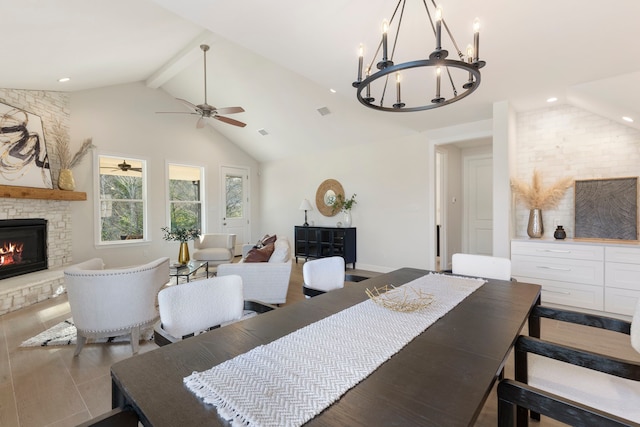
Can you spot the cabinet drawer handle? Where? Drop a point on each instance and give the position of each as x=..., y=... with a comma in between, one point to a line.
x=556, y=292
x=554, y=268
x=555, y=250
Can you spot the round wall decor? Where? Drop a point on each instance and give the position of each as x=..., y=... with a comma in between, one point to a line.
x=326, y=196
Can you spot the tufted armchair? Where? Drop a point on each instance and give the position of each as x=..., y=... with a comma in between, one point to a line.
x=113, y=302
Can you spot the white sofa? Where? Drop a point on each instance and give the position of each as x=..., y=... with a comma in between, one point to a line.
x=266, y=282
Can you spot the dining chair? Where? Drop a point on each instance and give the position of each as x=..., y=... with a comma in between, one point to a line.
x=322, y=275
x=572, y=385
x=189, y=309
x=481, y=266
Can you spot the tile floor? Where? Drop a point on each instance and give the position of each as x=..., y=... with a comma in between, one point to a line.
x=49, y=387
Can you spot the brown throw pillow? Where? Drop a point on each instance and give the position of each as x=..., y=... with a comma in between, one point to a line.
x=269, y=240
x=260, y=255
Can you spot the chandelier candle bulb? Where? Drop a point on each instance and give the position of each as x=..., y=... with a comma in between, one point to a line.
x=476, y=39
x=360, y=59
x=438, y=28
x=385, y=28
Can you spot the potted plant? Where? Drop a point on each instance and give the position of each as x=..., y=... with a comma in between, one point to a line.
x=345, y=205
x=62, y=150
x=536, y=197
x=183, y=235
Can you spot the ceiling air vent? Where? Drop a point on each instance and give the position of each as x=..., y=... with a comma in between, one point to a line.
x=324, y=111
x=263, y=132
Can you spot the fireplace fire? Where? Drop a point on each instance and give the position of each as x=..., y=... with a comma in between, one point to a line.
x=23, y=246
x=11, y=253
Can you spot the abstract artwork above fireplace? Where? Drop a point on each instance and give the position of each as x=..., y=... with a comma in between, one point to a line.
x=23, y=152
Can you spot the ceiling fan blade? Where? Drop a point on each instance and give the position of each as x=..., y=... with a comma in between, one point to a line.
x=200, y=123
x=187, y=103
x=230, y=121
x=230, y=110
x=175, y=112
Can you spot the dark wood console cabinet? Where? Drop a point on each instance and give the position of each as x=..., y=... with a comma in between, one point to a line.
x=322, y=242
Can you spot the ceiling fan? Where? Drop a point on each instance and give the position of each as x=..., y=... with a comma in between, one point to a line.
x=206, y=111
x=124, y=167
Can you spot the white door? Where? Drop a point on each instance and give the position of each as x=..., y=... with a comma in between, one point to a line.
x=235, y=204
x=478, y=205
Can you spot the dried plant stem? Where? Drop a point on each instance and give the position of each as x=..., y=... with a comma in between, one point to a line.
x=62, y=149
x=534, y=196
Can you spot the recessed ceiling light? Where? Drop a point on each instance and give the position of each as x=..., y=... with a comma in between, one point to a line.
x=332, y=90
x=627, y=119
x=64, y=79
x=552, y=99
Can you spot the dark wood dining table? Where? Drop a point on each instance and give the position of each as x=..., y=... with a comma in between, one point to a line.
x=441, y=378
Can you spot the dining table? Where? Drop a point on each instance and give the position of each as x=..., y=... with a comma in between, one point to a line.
x=442, y=377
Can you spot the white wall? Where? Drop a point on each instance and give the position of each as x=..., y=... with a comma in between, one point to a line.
x=122, y=121
x=391, y=180
x=568, y=141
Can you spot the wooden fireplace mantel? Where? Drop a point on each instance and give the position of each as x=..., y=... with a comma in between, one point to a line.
x=15, y=192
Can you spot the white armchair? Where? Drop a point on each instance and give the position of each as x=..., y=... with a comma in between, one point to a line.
x=113, y=302
x=266, y=282
x=217, y=248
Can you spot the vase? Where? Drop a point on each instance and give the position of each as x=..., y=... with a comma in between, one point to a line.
x=183, y=255
x=560, y=233
x=66, y=181
x=347, y=219
x=535, y=229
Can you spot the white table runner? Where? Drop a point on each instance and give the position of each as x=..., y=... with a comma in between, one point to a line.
x=289, y=381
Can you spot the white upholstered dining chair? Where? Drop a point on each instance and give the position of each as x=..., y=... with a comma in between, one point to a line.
x=116, y=301
x=481, y=266
x=202, y=305
x=322, y=275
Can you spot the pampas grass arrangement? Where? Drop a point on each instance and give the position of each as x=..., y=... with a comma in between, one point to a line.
x=62, y=149
x=535, y=196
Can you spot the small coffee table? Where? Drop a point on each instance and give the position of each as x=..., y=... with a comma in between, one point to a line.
x=187, y=270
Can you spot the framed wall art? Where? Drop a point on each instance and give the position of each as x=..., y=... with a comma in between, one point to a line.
x=607, y=208
x=23, y=152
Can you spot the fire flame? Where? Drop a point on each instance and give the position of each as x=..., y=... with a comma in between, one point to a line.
x=11, y=253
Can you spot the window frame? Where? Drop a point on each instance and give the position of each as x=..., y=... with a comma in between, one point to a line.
x=99, y=199
x=202, y=192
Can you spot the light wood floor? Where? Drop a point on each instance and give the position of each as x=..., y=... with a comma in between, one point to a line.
x=49, y=387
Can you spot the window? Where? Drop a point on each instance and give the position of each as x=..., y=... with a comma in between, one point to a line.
x=122, y=190
x=185, y=196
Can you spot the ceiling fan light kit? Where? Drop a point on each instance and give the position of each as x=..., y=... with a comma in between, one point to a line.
x=206, y=111
x=460, y=77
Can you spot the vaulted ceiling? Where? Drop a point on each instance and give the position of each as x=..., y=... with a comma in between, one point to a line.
x=279, y=60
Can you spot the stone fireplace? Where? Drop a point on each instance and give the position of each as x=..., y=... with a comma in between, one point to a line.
x=23, y=246
x=25, y=289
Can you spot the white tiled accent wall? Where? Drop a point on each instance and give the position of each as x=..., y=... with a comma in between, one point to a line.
x=567, y=141
x=20, y=291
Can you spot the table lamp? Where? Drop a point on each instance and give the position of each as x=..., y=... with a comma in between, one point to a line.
x=305, y=206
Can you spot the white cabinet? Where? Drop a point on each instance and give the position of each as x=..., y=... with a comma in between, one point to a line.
x=570, y=274
x=590, y=275
x=621, y=279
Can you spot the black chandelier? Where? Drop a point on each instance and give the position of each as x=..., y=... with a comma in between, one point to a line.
x=450, y=79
